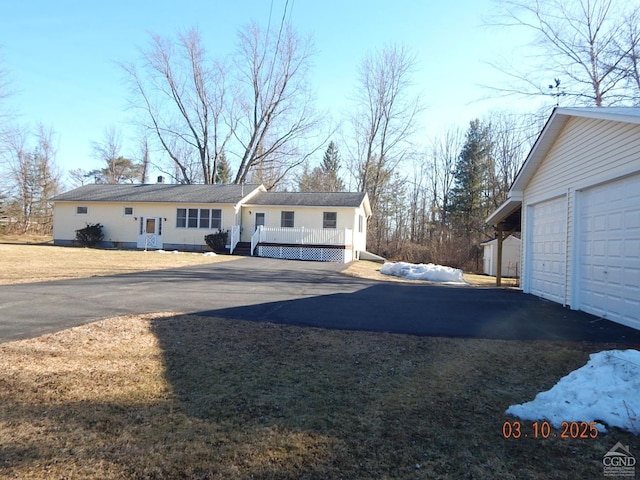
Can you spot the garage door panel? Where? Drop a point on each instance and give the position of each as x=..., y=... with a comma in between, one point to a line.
x=609, y=252
x=548, y=242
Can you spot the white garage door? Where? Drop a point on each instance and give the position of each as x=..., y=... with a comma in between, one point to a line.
x=609, y=251
x=547, y=245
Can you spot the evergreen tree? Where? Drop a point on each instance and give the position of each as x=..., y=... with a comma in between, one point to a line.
x=470, y=194
x=223, y=170
x=118, y=170
x=324, y=178
x=330, y=168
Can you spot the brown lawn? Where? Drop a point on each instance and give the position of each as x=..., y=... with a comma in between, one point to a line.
x=38, y=261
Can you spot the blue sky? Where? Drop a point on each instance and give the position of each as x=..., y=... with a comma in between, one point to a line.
x=62, y=55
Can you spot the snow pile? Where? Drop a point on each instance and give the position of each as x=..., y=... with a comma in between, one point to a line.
x=206, y=254
x=604, y=390
x=429, y=271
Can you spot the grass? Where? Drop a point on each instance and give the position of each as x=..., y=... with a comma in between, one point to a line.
x=37, y=262
x=177, y=396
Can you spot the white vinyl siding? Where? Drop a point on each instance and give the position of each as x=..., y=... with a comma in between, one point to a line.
x=586, y=153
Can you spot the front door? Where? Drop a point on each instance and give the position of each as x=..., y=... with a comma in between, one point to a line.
x=150, y=233
x=260, y=219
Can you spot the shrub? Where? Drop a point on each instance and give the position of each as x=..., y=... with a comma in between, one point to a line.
x=90, y=236
x=217, y=241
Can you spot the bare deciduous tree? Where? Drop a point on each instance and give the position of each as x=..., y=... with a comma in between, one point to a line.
x=35, y=180
x=384, y=115
x=578, y=43
x=182, y=95
x=276, y=110
x=117, y=168
x=256, y=109
x=383, y=121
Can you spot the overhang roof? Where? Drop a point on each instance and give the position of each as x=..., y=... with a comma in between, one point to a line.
x=316, y=199
x=550, y=133
x=159, y=192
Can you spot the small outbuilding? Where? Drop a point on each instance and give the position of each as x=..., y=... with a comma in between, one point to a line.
x=510, y=257
x=577, y=201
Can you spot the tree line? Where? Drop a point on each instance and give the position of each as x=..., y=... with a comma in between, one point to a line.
x=250, y=117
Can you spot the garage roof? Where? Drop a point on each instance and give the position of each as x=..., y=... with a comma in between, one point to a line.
x=556, y=122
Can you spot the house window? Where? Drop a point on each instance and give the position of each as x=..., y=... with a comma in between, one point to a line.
x=216, y=218
x=205, y=217
x=286, y=219
x=208, y=218
x=330, y=220
x=128, y=211
x=181, y=218
x=360, y=223
x=192, y=219
x=82, y=210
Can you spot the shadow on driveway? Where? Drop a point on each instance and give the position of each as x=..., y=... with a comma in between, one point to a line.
x=428, y=310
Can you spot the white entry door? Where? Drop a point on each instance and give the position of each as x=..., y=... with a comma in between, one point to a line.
x=609, y=251
x=150, y=233
x=547, y=249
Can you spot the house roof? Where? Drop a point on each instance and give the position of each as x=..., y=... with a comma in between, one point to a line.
x=548, y=136
x=158, y=193
x=317, y=199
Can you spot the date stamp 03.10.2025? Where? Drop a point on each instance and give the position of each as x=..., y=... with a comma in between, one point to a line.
x=568, y=430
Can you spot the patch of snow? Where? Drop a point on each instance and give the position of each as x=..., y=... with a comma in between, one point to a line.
x=164, y=251
x=209, y=254
x=429, y=271
x=605, y=390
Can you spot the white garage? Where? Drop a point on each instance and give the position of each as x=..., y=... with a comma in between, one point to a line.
x=578, y=197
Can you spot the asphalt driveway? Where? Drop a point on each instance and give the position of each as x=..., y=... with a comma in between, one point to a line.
x=300, y=293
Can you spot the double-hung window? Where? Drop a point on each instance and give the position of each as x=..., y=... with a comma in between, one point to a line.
x=192, y=218
x=205, y=218
x=287, y=219
x=330, y=220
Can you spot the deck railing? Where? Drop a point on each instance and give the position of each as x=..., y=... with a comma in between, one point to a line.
x=235, y=238
x=255, y=238
x=303, y=236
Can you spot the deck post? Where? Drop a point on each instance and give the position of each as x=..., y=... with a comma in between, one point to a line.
x=499, y=260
